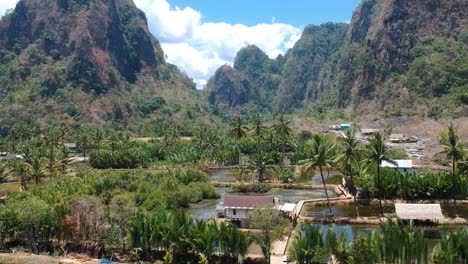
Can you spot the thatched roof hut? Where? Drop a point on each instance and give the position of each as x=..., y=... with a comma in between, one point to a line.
x=420, y=212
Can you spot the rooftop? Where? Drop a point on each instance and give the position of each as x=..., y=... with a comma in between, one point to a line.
x=403, y=164
x=397, y=136
x=419, y=211
x=246, y=202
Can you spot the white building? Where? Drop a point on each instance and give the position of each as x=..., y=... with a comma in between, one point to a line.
x=236, y=207
x=403, y=166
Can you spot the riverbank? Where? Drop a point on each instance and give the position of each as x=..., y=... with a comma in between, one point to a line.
x=337, y=189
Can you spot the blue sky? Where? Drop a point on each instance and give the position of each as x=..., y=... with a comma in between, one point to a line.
x=250, y=12
x=201, y=35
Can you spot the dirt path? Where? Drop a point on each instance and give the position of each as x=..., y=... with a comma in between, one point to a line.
x=26, y=258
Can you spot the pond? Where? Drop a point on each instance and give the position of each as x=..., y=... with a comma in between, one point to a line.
x=229, y=175
x=206, y=209
x=347, y=210
x=352, y=231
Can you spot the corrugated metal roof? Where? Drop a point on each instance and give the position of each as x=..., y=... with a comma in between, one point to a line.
x=419, y=211
x=403, y=164
x=246, y=202
x=288, y=207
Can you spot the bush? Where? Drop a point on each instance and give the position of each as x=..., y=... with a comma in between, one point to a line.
x=251, y=188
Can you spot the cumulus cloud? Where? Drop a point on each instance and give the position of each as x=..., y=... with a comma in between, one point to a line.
x=6, y=5
x=199, y=47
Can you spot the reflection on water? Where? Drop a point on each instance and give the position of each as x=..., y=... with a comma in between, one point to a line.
x=223, y=176
x=349, y=231
x=206, y=209
x=347, y=210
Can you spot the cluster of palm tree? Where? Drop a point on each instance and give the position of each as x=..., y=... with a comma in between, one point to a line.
x=180, y=237
x=456, y=150
x=394, y=242
x=313, y=245
x=348, y=157
x=40, y=156
x=353, y=159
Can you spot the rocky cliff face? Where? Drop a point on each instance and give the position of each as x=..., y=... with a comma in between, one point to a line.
x=306, y=63
x=382, y=39
x=254, y=80
x=397, y=57
x=95, y=37
x=91, y=61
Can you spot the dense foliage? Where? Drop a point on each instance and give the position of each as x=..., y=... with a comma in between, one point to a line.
x=183, y=239
x=95, y=206
x=394, y=242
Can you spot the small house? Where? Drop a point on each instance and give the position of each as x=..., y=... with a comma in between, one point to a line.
x=236, y=207
x=403, y=166
x=72, y=148
x=369, y=131
x=397, y=138
x=244, y=160
x=345, y=126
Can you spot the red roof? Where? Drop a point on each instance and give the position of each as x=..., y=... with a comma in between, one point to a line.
x=244, y=201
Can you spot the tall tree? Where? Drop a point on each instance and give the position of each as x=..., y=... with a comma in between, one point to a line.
x=455, y=150
x=349, y=157
x=36, y=164
x=21, y=169
x=98, y=139
x=283, y=131
x=377, y=152
x=259, y=163
x=237, y=128
x=257, y=125
x=4, y=171
x=271, y=227
x=322, y=154
x=83, y=141
x=52, y=140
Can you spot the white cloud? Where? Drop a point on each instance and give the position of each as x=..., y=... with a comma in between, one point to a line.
x=5, y=5
x=199, y=48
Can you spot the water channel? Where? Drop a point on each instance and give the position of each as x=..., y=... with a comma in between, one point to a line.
x=206, y=209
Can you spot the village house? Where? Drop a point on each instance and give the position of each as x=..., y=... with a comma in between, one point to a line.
x=403, y=166
x=72, y=148
x=366, y=132
x=397, y=138
x=236, y=207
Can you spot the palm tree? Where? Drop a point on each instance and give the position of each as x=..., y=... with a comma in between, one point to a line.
x=237, y=128
x=454, y=149
x=282, y=128
x=52, y=140
x=321, y=155
x=21, y=169
x=83, y=141
x=377, y=152
x=98, y=139
x=283, y=132
x=36, y=166
x=257, y=122
x=259, y=164
x=114, y=140
x=4, y=171
x=349, y=158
